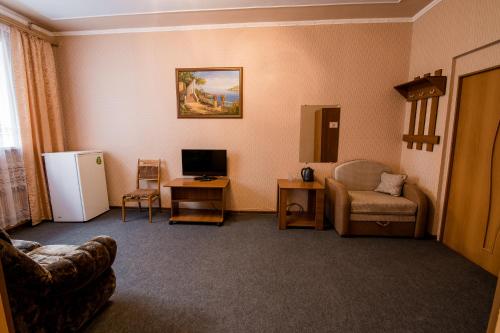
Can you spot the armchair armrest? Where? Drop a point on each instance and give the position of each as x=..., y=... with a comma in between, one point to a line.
x=340, y=204
x=413, y=193
x=74, y=267
x=22, y=274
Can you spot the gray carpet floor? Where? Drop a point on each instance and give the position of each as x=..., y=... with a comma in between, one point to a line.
x=247, y=276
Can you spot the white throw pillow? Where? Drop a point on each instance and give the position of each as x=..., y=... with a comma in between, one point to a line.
x=391, y=184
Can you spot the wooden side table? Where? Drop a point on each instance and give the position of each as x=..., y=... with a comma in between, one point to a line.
x=313, y=217
x=189, y=190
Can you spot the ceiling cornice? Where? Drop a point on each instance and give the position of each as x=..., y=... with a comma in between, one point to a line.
x=346, y=3
x=23, y=20
x=235, y=26
x=425, y=10
x=6, y=11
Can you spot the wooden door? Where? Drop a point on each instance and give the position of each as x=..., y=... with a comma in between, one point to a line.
x=326, y=134
x=473, y=211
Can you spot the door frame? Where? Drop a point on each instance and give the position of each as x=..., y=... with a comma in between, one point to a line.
x=454, y=129
x=470, y=61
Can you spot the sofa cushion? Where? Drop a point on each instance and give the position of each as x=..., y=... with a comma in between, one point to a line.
x=360, y=175
x=391, y=184
x=383, y=218
x=370, y=202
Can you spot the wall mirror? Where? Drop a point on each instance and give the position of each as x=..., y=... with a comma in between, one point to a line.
x=319, y=133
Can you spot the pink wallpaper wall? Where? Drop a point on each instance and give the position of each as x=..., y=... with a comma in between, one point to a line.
x=449, y=29
x=118, y=95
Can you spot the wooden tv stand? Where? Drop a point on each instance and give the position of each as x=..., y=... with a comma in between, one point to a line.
x=190, y=190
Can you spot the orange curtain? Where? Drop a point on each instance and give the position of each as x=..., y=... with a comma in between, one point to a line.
x=39, y=112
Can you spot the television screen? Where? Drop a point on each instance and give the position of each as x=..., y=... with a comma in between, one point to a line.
x=204, y=162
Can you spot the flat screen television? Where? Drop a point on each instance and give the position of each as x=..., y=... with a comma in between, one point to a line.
x=204, y=163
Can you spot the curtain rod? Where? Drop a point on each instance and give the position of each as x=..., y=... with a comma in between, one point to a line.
x=27, y=28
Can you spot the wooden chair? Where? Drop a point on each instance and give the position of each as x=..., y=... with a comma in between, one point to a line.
x=148, y=170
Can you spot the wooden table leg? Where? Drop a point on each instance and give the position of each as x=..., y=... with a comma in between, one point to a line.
x=311, y=202
x=149, y=210
x=175, y=208
x=174, y=205
x=123, y=209
x=320, y=197
x=223, y=203
x=282, y=208
x=277, y=200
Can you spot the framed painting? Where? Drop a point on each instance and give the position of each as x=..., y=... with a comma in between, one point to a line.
x=215, y=92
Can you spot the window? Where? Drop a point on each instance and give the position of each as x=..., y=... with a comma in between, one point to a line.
x=9, y=128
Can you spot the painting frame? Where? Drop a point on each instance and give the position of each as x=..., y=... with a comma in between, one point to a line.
x=234, y=111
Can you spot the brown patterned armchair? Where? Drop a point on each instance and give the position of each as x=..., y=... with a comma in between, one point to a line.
x=354, y=208
x=56, y=288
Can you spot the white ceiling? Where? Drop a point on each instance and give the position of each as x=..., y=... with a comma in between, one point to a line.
x=71, y=9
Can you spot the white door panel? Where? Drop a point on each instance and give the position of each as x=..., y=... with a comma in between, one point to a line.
x=94, y=194
x=62, y=177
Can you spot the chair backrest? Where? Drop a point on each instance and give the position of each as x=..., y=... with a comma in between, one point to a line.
x=360, y=175
x=148, y=170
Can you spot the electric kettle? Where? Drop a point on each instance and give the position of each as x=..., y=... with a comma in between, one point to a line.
x=307, y=174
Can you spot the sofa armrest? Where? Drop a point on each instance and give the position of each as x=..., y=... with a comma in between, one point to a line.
x=81, y=265
x=22, y=274
x=413, y=193
x=340, y=205
x=24, y=245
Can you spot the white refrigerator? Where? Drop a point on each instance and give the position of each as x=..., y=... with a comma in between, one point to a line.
x=77, y=185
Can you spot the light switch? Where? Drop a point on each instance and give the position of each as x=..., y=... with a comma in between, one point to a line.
x=334, y=124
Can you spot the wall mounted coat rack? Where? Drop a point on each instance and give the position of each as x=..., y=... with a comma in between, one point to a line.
x=421, y=89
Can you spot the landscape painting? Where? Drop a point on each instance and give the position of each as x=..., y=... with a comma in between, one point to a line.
x=209, y=92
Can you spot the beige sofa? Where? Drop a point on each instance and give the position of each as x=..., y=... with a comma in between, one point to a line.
x=354, y=208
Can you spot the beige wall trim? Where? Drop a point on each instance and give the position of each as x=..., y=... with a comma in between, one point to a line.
x=424, y=10
x=233, y=26
x=444, y=173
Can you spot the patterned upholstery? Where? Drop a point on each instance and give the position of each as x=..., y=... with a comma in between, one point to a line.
x=57, y=288
x=24, y=245
x=382, y=218
x=370, y=202
x=360, y=175
x=148, y=171
x=141, y=193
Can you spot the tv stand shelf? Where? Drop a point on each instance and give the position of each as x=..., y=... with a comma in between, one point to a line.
x=197, y=215
x=190, y=190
